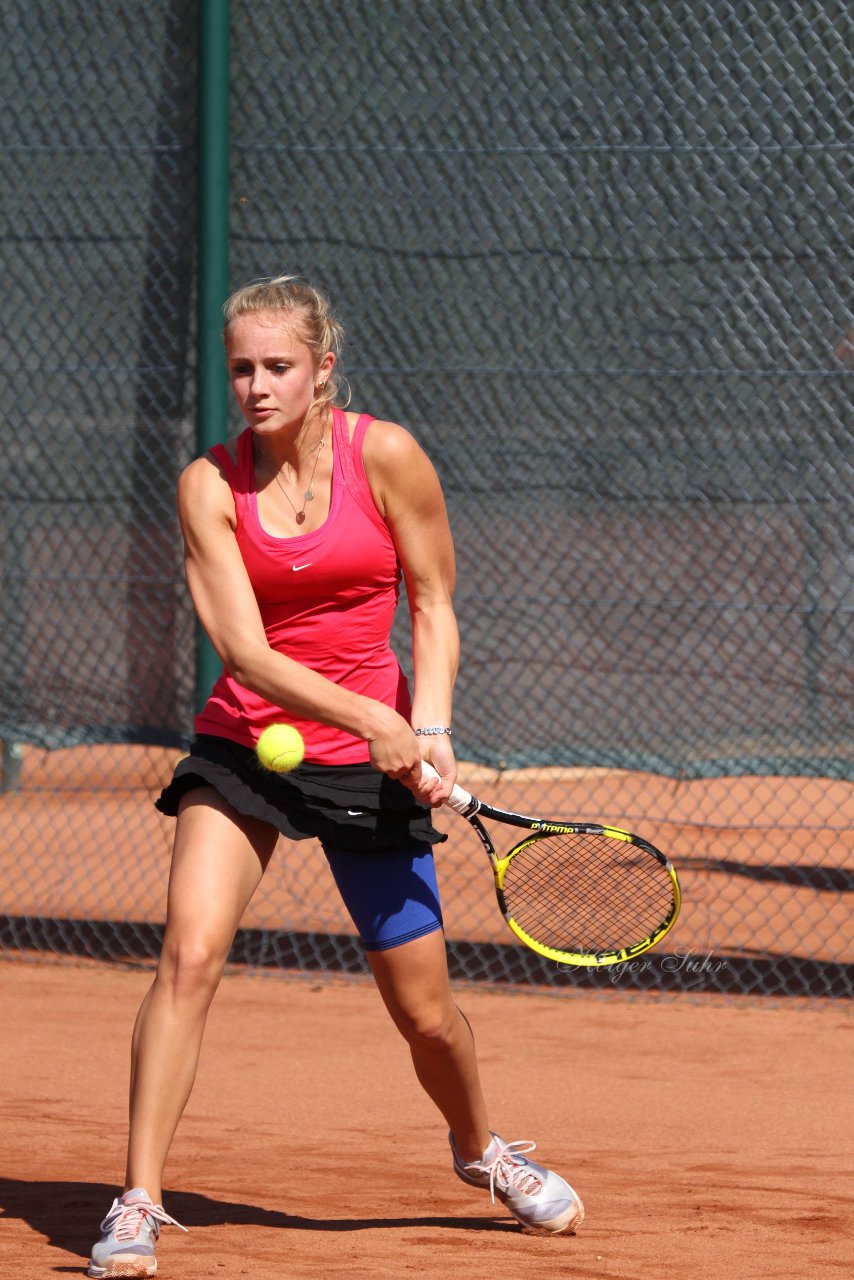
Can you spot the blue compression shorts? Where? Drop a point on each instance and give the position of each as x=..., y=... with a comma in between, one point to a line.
x=392, y=898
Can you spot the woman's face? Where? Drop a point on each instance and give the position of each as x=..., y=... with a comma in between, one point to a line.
x=272, y=372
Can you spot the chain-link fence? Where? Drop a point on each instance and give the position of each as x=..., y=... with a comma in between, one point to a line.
x=98, y=192
x=599, y=260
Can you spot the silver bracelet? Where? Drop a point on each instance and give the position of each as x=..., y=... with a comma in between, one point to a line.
x=431, y=729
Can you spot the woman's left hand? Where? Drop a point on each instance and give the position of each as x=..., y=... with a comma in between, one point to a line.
x=440, y=754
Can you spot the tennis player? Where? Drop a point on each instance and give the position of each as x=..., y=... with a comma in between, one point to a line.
x=296, y=537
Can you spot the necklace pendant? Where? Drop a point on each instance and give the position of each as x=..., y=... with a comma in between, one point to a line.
x=308, y=495
x=300, y=517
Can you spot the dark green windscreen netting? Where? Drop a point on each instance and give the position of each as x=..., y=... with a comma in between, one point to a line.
x=597, y=259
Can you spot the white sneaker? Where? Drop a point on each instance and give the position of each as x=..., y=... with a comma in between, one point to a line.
x=541, y=1200
x=128, y=1236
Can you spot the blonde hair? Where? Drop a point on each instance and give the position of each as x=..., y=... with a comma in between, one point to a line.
x=311, y=317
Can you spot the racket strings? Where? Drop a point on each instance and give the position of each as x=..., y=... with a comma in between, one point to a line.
x=586, y=893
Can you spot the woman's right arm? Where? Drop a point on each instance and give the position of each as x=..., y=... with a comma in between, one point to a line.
x=225, y=603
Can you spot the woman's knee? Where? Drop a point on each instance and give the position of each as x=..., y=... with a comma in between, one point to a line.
x=191, y=967
x=433, y=1027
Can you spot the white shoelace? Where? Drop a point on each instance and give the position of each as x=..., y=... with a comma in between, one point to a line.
x=128, y=1218
x=510, y=1174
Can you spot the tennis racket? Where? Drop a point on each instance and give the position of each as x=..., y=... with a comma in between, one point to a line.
x=576, y=892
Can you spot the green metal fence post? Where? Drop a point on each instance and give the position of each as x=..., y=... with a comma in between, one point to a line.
x=213, y=203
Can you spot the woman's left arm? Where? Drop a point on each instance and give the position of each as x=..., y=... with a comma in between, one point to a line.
x=408, y=495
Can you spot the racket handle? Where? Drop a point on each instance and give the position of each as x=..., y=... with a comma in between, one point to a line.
x=459, y=800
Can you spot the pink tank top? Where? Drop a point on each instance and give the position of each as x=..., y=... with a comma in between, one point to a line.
x=327, y=600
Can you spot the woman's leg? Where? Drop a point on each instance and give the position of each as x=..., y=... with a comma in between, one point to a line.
x=218, y=860
x=413, y=982
x=393, y=899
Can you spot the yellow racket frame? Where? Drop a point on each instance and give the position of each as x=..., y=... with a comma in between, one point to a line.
x=591, y=960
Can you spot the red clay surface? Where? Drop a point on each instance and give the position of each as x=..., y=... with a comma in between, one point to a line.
x=709, y=1138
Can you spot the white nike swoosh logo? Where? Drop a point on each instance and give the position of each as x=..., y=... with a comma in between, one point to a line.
x=296, y=567
x=356, y=813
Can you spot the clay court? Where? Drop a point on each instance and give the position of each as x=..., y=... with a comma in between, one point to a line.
x=708, y=1135
x=709, y=1138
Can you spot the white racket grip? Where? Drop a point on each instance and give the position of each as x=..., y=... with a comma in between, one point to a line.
x=459, y=800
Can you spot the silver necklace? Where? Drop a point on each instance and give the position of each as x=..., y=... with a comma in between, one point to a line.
x=307, y=494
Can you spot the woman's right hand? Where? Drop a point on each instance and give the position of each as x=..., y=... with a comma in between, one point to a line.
x=393, y=747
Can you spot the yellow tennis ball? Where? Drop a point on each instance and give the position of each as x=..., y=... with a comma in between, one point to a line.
x=280, y=748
